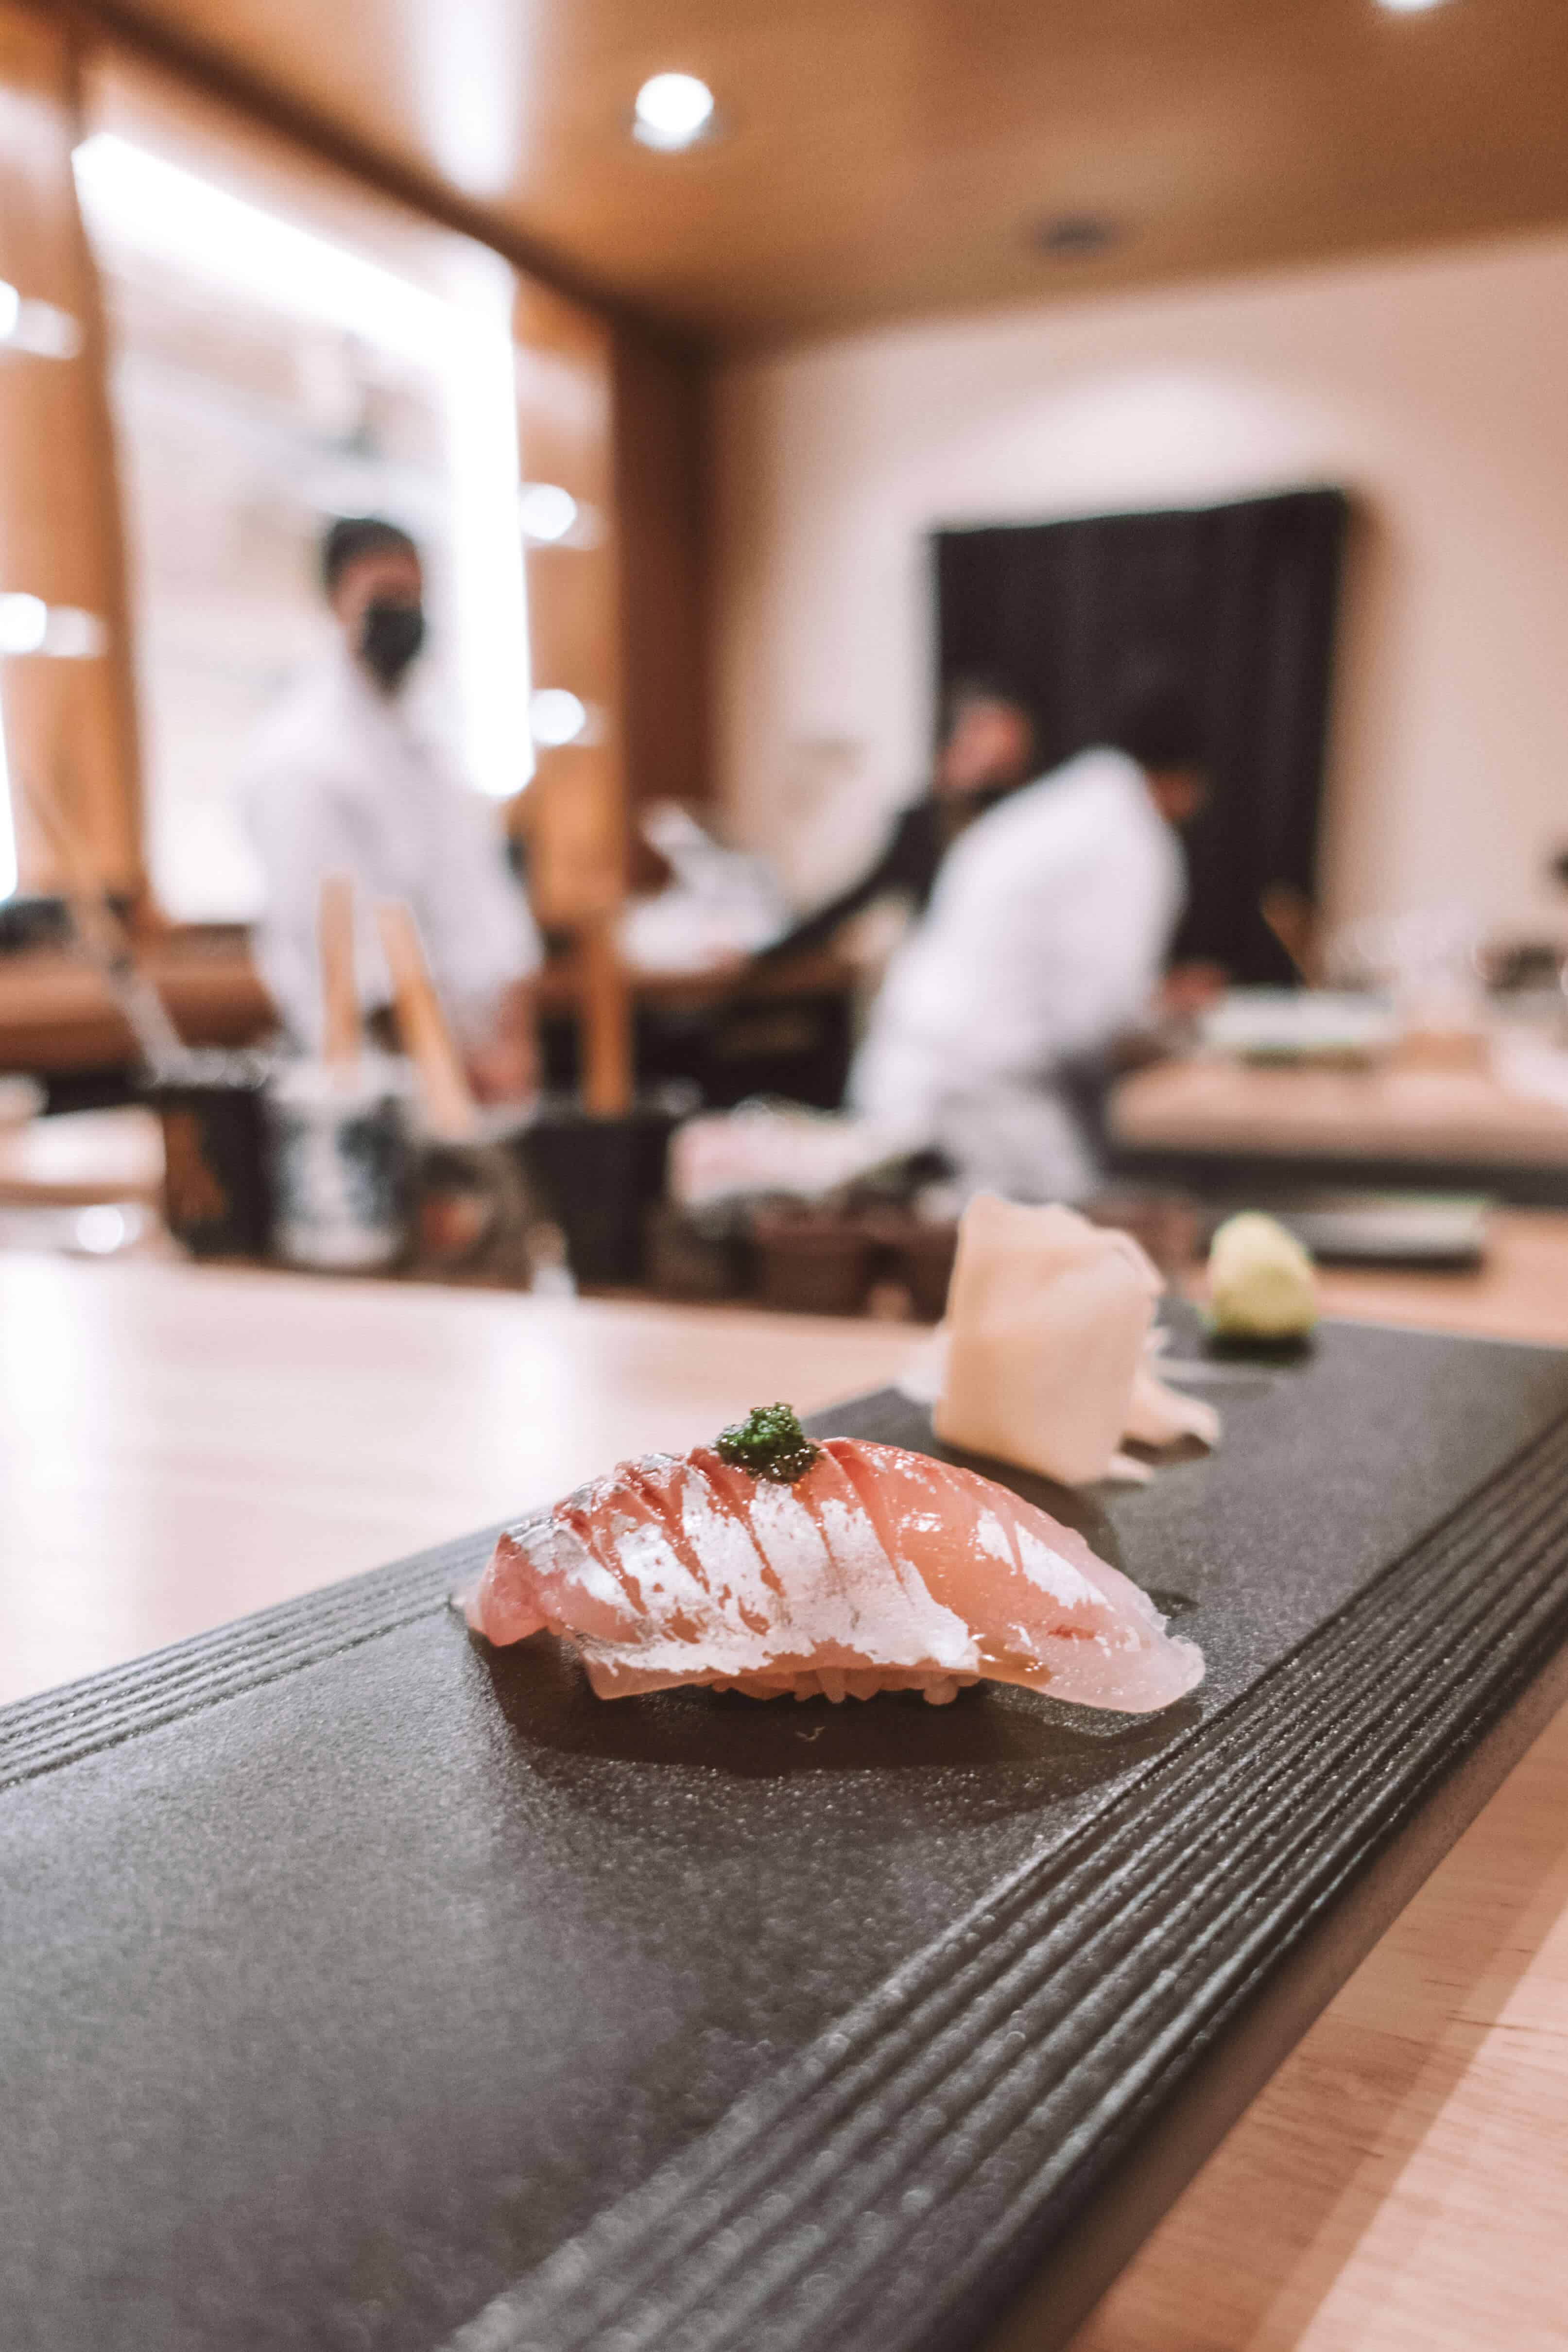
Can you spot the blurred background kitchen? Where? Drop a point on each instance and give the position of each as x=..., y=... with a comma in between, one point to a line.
x=991, y=610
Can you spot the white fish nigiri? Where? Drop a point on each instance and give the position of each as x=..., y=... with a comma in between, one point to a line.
x=866, y=1568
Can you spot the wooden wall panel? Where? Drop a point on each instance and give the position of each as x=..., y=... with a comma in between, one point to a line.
x=576, y=809
x=661, y=496
x=70, y=726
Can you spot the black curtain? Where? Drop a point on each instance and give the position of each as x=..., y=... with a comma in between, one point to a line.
x=1239, y=604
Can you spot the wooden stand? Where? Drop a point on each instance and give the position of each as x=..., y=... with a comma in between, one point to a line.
x=605, y=1013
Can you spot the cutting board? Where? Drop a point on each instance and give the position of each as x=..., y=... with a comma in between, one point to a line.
x=364, y=1988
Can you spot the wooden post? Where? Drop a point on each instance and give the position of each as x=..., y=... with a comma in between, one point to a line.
x=606, y=1024
x=577, y=805
x=70, y=722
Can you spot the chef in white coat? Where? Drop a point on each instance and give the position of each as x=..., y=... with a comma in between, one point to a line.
x=343, y=779
x=1044, y=941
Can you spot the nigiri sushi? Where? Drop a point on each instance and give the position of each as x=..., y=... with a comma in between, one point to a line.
x=769, y=1565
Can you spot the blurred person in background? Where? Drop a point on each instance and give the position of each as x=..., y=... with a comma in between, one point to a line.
x=988, y=752
x=1043, y=943
x=342, y=780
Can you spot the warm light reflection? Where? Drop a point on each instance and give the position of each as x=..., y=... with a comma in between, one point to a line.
x=546, y=512
x=469, y=75
x=104, y=1229
x=23, y=621
x=39, y=329
x=28, y=625
x=557, y=717
x=671, y=109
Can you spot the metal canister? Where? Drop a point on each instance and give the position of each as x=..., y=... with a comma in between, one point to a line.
x=342, y=1164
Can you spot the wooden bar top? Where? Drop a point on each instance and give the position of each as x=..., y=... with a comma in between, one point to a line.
x=1222, y=1108
x=178, y=1445
x=57, y=1013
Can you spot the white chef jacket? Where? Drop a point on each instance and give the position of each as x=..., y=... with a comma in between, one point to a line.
x=343, y=779
x=1044, y=938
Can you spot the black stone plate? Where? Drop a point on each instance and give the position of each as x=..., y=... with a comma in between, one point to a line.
x=360, y=1988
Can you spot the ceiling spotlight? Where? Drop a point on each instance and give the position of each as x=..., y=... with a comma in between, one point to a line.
x=1076, y=236
x=672, y=111
x=1408, y=8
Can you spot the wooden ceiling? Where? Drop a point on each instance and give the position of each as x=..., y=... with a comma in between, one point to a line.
x=886, y=157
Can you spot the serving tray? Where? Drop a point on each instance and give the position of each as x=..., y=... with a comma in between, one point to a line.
x=362, y=1988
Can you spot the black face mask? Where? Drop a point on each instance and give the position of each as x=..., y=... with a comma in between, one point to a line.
x=390, y=635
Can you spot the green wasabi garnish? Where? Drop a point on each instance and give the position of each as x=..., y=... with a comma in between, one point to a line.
x=769, y=1443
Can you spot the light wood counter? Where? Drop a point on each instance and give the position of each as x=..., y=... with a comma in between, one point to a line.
x=178, y=1445
x=1400, y=2184
x=1426, y=1116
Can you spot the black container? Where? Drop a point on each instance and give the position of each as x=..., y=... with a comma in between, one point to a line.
x=811, y=1261
x=917, y=1252
x=33, y=922
x=217, y=1192
x=599, y=1176
x=683, y=1258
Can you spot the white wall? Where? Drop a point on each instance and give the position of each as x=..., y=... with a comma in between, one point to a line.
x=1434, y=388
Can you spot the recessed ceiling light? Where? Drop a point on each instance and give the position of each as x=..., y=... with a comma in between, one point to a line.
x=1076, y=236
x=673, y=110
x=1408, y=8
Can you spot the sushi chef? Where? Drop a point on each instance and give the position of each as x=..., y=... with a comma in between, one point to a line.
x=343, y=779
x=1044, y=941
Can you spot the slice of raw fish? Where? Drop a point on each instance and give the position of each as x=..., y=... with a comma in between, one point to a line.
x=875, y=1570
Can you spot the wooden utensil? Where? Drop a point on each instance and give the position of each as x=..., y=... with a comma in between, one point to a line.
x=450, y=1113
x=476, y=1213
x=341, y=1031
